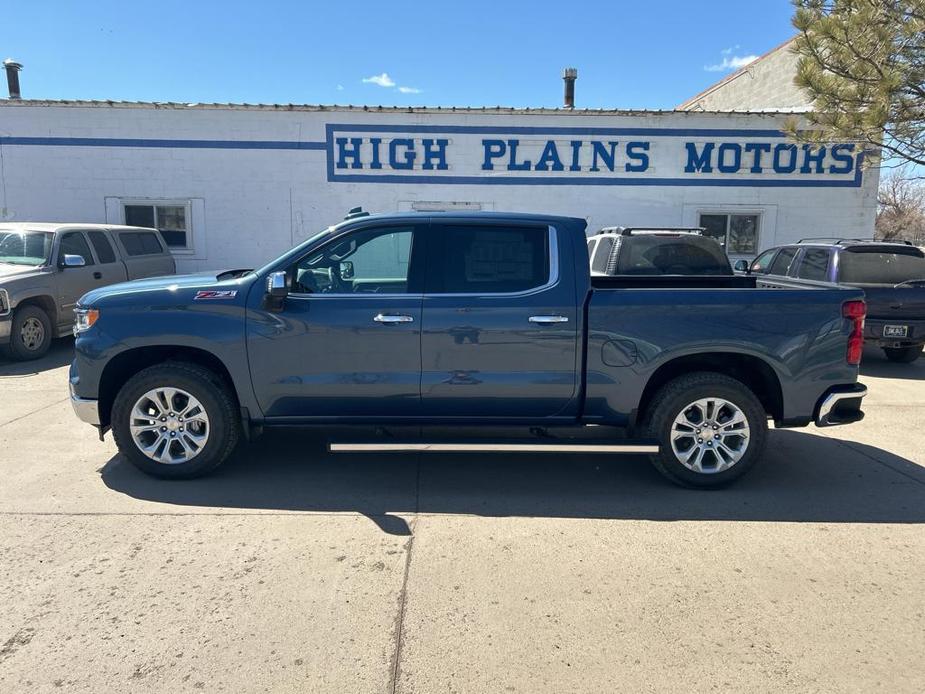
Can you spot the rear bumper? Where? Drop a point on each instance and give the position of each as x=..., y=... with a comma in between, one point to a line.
x=873, y=332
x=841, y=405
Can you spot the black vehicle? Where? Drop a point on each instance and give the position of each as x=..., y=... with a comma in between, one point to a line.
x=892, y=276
x=656, y=251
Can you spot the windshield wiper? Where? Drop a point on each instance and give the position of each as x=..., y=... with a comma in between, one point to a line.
x=912, y=282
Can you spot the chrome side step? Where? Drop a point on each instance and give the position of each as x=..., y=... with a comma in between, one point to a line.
x=494, y=447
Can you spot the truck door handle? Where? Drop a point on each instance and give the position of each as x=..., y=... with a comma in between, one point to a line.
x=548, y=320
x=387, y=318
x=97, y=275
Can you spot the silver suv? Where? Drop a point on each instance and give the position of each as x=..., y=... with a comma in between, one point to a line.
x=45, y=268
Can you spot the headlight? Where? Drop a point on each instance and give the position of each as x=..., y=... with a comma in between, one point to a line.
x=86, y=317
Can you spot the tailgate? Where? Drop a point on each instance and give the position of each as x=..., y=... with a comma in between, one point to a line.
x=890, y=303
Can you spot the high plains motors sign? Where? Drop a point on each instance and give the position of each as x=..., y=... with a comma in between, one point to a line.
x=584, y=156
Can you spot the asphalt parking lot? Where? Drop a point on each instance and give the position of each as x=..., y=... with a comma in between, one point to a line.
x=290, y=570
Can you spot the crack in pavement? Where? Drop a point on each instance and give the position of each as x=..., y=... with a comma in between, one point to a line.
x=398, y=630
x=29, y=414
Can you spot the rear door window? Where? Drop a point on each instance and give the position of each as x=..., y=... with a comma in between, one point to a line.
x=103, y=248
x=781, y=264
x=477, y=259
x=814, y=265
x=140, y=243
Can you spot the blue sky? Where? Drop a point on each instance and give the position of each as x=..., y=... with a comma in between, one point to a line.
x=465, y=53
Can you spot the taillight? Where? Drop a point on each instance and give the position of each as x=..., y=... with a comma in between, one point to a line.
x=855, y=312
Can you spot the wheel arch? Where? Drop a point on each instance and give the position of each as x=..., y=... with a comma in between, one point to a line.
x=128, y=363
x=43, y=301
x=752, y=371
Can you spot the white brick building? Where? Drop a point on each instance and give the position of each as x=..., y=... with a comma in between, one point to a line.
x=233, y=186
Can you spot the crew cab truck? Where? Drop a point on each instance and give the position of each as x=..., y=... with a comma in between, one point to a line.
x=46, y=267
x=892, y=275
x=459, y=323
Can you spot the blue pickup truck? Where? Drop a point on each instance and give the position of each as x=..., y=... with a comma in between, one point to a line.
x=484, y=332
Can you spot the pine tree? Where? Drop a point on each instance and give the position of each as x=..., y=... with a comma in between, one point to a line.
x=863, y=64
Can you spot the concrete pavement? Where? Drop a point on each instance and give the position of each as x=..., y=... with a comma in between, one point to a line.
x=293, y=570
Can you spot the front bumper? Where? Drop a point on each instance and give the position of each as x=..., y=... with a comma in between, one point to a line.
x=6, y=323
x=841, y=405
x=86, y=409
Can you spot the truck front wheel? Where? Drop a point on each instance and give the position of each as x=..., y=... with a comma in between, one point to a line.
x=710, y=428
x=175, y=420
x=30, y=333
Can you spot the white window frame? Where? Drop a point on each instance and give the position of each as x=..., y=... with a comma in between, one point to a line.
x=187, y=204
x=729, y=213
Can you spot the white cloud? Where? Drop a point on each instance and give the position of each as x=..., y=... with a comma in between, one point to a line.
x=409, y=90
x=340, y=87
x=730, y=62
x=382, y=80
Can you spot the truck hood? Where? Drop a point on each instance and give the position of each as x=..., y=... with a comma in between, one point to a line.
x=180, y=286
x=10, y=273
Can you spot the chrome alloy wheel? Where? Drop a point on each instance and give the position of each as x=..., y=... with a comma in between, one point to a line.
x=169, y=425
x=32, y=333
x=710, y=435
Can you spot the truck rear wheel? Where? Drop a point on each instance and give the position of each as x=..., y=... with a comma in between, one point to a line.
x=711, y=429
x=903, y=355
x=30, y=333
x=175, y=420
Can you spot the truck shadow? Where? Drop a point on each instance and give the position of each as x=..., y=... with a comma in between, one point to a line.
x=804, y=478
x=876, y=365
x=60, y=354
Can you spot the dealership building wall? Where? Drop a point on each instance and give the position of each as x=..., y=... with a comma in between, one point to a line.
x=240, y=184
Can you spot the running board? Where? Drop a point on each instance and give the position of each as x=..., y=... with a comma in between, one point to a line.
x=494, y=447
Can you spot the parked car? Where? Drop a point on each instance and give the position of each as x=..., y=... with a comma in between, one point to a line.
x=656, y=251
x=892, y=276
x=45, y=268
x=462, y=321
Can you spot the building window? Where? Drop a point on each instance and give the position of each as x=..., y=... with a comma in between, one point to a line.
x=172, y=219
x=736, y=233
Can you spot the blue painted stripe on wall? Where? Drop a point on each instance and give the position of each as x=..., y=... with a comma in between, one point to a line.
x=537, y=130
x=591, y=181
x=178, y=144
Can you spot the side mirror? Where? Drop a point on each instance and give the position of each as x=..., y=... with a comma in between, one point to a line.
x=741, y=266
x=276, y=292
x=72, y=261
x=346, y=270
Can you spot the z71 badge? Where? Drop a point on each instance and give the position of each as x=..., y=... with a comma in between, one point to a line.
x=216, y=294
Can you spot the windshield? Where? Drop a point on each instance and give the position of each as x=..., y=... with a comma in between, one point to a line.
x=881, y=266
x=25, y=247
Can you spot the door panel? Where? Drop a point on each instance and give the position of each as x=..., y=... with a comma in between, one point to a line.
x=73, y=282
x=109, y=269
x=482, y=356
x=342, y=346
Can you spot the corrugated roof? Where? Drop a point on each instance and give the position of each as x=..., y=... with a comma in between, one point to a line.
x=493, y=110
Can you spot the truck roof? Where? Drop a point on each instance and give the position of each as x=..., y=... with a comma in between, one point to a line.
x=500, y=216
x=62, y=226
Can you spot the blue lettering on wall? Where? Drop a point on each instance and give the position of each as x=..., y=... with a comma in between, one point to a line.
x=493, y=149
x=550, y=156
x=576, y=153
x=637, y=152
x=352, y=153
x=408, y=144
x=756, y=149
x=430, y=153
x=512, y=164
x=701, y=161
x=812, y=160
x=723, y=162
x=375, y=142
x=846, y=160
x=791, y=165
x=597, y=150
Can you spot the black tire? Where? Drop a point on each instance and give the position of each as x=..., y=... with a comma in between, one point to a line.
x=673, y=399
x=209, y=389
x=21, y=348
x=903, y=355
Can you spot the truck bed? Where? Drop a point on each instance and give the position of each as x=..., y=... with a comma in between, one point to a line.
x=673, y=282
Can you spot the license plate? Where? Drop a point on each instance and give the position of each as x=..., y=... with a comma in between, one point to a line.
x=895, y=330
